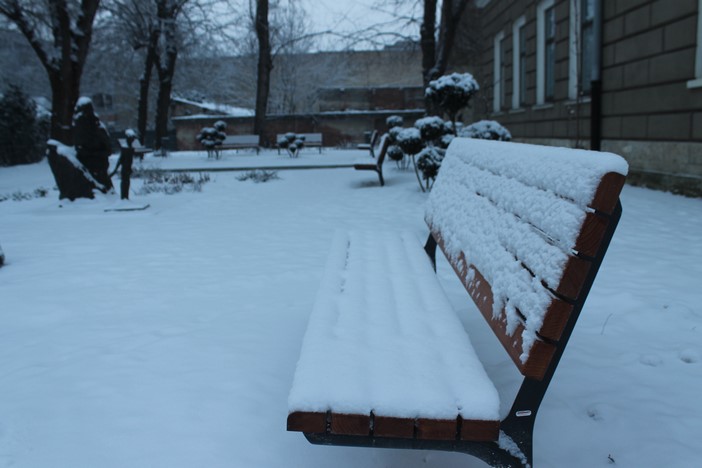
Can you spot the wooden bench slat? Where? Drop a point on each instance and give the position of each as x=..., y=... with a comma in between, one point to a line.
x=350, y=424
x=437, y=429
x=591, y=235
x=607, y=194
x=315, y=423
x=386, y=426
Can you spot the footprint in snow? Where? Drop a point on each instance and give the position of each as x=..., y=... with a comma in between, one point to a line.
x=689, y=356
x=650, y=360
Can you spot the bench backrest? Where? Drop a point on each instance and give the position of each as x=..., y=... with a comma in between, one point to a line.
x=253, y=140
x=383, y=149
x=136, y=144
x=312, y=139
x=525, y=228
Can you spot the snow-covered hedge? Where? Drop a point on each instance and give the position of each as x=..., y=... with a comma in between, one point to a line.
x=486, y=130
x=394, y=121
x=431, y=128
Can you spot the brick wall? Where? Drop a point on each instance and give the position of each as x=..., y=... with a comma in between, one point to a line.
x=338, y=129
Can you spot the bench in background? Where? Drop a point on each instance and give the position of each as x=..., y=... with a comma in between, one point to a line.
x=136, y=146
x=237, y=142
x=372, y=143
x=376, y=164
x=385, y=360
x=312, y=140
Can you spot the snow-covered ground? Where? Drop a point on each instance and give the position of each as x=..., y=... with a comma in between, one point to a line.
x=168, y=337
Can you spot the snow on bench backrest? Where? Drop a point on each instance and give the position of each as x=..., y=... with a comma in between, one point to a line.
x=520, y=223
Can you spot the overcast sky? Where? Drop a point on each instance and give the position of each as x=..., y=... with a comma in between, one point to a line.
x=350, y=15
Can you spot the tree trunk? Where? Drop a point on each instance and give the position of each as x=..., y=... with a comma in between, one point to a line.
x=63, y=101
x=428, y=41
x=167, y=54
x=163, y=102
x=145, y=83
x=265, y=65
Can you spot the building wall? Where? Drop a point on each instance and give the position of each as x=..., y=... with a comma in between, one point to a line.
x=650, y=114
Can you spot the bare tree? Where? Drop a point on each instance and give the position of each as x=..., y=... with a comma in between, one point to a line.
x=437, y=33
x=162, y=30
x=59, y=32
x=265, y=65
x=136, y=21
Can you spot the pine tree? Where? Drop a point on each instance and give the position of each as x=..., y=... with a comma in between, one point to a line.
x=21, y=141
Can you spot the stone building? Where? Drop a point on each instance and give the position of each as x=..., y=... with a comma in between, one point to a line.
x=621, y=75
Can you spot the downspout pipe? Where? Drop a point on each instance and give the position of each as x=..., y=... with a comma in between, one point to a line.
x=596, y=83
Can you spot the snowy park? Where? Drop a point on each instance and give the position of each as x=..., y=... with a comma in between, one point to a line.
x=168, y=337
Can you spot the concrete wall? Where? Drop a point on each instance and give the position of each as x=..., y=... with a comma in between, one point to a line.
x=650, y=115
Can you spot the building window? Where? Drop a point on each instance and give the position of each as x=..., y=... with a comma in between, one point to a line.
x=498, y=73
x=582, y=41
x=550, y=46
x=519, y=63
x=697, y=82
x=545, y=51
x=503, y=75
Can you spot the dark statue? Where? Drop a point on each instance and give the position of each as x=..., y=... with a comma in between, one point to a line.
x=92, y=142
x=79, y=176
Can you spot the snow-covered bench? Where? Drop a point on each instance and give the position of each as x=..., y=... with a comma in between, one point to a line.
x=376, y=164
x=311, y=140
x=237, y=142
x=386, y=362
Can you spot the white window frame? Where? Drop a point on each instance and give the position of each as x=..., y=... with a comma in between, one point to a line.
x=497, y=72
x=697, y=81
x=541, y=50
x=517, y=97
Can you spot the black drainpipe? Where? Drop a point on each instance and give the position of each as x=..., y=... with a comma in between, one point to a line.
x=596, y=84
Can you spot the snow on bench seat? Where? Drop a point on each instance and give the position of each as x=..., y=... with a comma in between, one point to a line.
x=383, y=343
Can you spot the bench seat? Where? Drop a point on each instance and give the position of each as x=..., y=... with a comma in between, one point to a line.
x=384, y=351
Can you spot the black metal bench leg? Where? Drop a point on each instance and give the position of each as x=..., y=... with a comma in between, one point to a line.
x=489, y=452
x=380, y=176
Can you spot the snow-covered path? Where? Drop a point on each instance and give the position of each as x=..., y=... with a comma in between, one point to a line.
x=168, y=337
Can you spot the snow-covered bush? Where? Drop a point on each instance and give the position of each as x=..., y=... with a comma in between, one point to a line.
x=291, y=142
x=22, y=134
x=395, y=153
x=410, y=141
x=212, y=137
x=486, y=130
x=445, y=141
x=452, y=93
x=221, y=126
x=431, y=128
x=428, y=163
x=394, y=121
